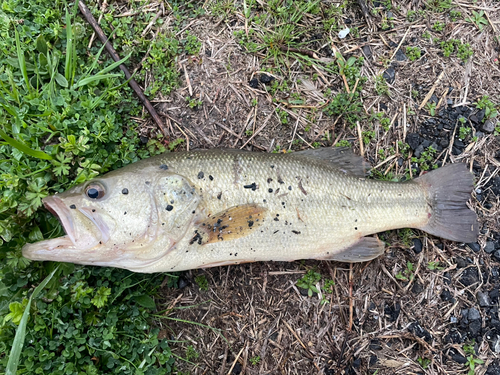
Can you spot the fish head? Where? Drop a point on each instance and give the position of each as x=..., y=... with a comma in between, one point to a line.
x=128, y=218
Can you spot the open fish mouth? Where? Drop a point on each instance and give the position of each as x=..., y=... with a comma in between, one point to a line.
x=57, y=208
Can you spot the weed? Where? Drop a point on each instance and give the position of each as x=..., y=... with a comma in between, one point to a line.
x=438, y=26
x=283, y=115
x=202, y=282
x=463, y=132
x=489, y=107
x=254, y=360
x=406, y=235
x=434, y=266
x=424, y=362
x=426, y=158
x=470, y=352
x=381, y=85
x=309, y=281
x=413, y=53
x=385, y=122
x=438, y=6
x=327, y=288
x=191, y=44
x=455, y=15
x=407, y=274
x=367, y=136
x=343, y=143
x=463, y=50
x=431, y=107
x=193, y=103
x=478, y=19
x=191, y=353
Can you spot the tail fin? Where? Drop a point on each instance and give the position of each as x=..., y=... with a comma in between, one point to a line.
x=449, y=189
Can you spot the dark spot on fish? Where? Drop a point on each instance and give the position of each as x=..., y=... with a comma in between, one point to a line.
x=355, y=228
x=272, y=166
x=264, y=201
x=124, y=191
x=73, y=207
x=302, y=188
x=269, y=180
x=235, y=254
x=230, y=253
x=276, y=231
x=147, y=182
x=201, y=175
x=289, y=188
x=193, y=212
x=355, y=220
x=250, y=223
x=125, y=213
x=252, y=186
x=164, y=167
x=270, y=190
x=276, y=219
x=280, y=180
x=197, y=238
x=169, y=207
x=210, y=178
x=162, y=223
x=219, y=196
x=277, y=191
x=295, y=231
x=100, y=242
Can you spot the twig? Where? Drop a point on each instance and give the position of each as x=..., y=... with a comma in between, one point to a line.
x=109, y=48
x=235, y=360
x=401, y=42
x=258, y=130
x=361, y=147
x=350, y=299
x=306, y=52
x=431, y=91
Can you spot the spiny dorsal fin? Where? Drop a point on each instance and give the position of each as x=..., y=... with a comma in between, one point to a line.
x=341, y=158
x=230, y=224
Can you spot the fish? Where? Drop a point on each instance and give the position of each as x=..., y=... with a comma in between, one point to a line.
x=206, y=208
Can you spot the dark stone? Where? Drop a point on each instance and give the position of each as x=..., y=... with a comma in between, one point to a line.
x=473, y=314
x=264, y=78
x=419, y=150
x=493, y=368
x=254, y=83
x=475, y=328
x=480, y=115
x=469, y=276
x=496, y=255
x=420, y=331
x=373, y=360
x=413, y=139
x=434, y=99
x=488, y=126
x=494, y=294
x=367, y=51
x=391, y=15
x=390, y=75
x=454, y=337
x=400, y=56
x=417, y=288
x=375, y=345
x=143, y=139
x=474, y=246
x=356, y=363
x=461, y=262
x=236, y=369
x=474, y=119
x=417, y=245
x=446, y=296
x=483, y=299
x=459, y=358
x=383, y=106
x=392, y=312
x=489, y=247
x=182, y=282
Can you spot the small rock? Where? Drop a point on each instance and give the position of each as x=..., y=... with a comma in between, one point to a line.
x=417, y=288
x=420, y=331
x=417, y=245
x=356, y=363
x=449, y=101
x=453, y=319
x=390, y=75
x=475, y=328
x=367, y=51
x=461, y=262
x=480, y=114
x=390, y=15
x=413, y=139
x=182, y=282
x=489, y=247
x=419, y=150
x=474, y=246
x=496, y=255
x=373, y=359
x=400, y=56
x=493, y=368
x=488, y=126
x=254, y=83
x=143, y=139
x=483, y=299
x=474, y=119
x=469, y=276
x=375, y=345
x=264, y=78
x=434, y=99
x=494, y=294
x=459, y=358
x=473, y=314
x=446, y=296
x=454, y=337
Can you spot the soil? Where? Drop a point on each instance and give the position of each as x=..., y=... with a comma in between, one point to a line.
x=252, y=318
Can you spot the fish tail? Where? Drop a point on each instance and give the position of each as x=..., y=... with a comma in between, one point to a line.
x=449, y=188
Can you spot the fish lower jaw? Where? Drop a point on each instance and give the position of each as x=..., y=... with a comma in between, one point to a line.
x=48, y=248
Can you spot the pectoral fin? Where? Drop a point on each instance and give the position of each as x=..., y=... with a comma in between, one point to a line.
x=230, y=224
x=367, y=248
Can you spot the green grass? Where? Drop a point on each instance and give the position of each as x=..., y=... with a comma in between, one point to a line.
x=65, y=115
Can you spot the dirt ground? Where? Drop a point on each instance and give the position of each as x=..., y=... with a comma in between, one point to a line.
x=253, y=318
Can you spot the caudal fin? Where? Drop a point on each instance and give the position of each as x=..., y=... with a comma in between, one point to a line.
x=449, y=188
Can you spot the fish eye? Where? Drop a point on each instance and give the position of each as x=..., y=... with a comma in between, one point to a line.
x=95, y=191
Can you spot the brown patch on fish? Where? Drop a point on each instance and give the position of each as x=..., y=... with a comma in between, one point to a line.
x=302, y=188
x=230, y=224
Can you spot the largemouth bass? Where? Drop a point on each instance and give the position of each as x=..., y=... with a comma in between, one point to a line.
x=187, y=210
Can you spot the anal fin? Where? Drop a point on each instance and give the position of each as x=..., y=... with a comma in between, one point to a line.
x=367, y=248
x=230, y=224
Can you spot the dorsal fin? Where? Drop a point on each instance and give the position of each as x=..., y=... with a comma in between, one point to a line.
x=342, y=158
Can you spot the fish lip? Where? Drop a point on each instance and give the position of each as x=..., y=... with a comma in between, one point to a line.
x=56, y=207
